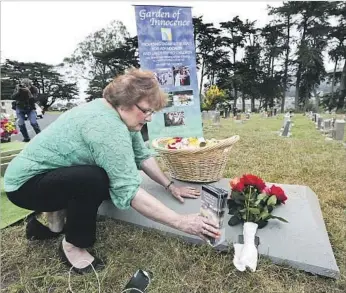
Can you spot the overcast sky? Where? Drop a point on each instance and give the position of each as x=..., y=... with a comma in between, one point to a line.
x=49, y=31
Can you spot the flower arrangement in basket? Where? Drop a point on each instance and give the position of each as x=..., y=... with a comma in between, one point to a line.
x=252, y=202
x=176, y=143
x=195, y=159
x=7, y=128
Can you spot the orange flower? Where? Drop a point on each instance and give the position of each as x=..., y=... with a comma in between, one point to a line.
x=237, y=184
x=234, y=182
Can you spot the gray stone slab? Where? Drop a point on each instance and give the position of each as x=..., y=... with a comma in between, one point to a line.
x=286, y=118
x=319, y=122
x=204, y=115
x=302, y=243
x=327, y=124
x=216, y=118
x=286, y=130
x=339, y=130
x=227, y=114
x=211, y=114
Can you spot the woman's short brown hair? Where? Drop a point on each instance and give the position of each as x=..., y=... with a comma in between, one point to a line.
x=135, y=85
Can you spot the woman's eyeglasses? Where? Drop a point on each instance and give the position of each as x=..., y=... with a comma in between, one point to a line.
x=144, y=111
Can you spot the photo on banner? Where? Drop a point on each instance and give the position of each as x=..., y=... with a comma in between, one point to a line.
x=166, y=47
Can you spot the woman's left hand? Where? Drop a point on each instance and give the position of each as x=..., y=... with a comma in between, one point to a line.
x=179, y=192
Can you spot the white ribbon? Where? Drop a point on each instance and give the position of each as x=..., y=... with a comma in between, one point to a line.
x=246, y=255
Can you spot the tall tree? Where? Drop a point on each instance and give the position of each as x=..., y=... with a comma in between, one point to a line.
x=336, y=54
x=252, y=69
x=234, y=39
x=311, y=59
x=85, y=61
x=338, y=51
x=205, y=36
x=95, y=88
x=313, y=26
x=119, y=59
x=215, y=62
x=273, y=38
x=284, y=17
x=113, y=62
x=50, y=83
x=252, y=74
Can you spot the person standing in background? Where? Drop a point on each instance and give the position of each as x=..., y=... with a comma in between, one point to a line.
x=25, y=95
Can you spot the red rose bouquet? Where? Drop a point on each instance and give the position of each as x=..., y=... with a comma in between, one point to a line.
x=252, y=203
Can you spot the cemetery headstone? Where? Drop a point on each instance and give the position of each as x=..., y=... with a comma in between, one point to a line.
x=319, y=122
x=204, y=115
x=287, y=117
x=326, y=126
x=212, y=115
x=208, y=116
x=235, y=111
x=339, y=130
x=216, y=118
x=227, y=113
x=286, y=130
x=317, y=116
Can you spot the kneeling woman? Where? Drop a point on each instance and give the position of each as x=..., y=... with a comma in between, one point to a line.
x=92, y=153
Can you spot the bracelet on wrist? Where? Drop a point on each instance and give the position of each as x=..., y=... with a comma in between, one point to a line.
x=169, y=184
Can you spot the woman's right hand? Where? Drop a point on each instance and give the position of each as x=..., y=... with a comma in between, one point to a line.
x=195, y=224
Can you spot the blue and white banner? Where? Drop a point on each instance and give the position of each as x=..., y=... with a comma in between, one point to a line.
x=166, y=47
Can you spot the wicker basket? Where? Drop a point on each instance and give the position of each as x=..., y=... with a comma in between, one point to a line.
x=205, y=164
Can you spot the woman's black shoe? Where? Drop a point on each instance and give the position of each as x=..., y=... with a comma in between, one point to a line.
x=97, y=263
x=35, y=230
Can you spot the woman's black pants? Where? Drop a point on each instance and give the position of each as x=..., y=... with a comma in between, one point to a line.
x=78, y=189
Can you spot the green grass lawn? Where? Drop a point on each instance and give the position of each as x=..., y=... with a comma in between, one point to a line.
x=305, y=159
x=9, y=213
x=14, y=145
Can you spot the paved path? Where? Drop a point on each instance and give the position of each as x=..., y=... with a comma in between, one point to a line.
x=47, y=119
